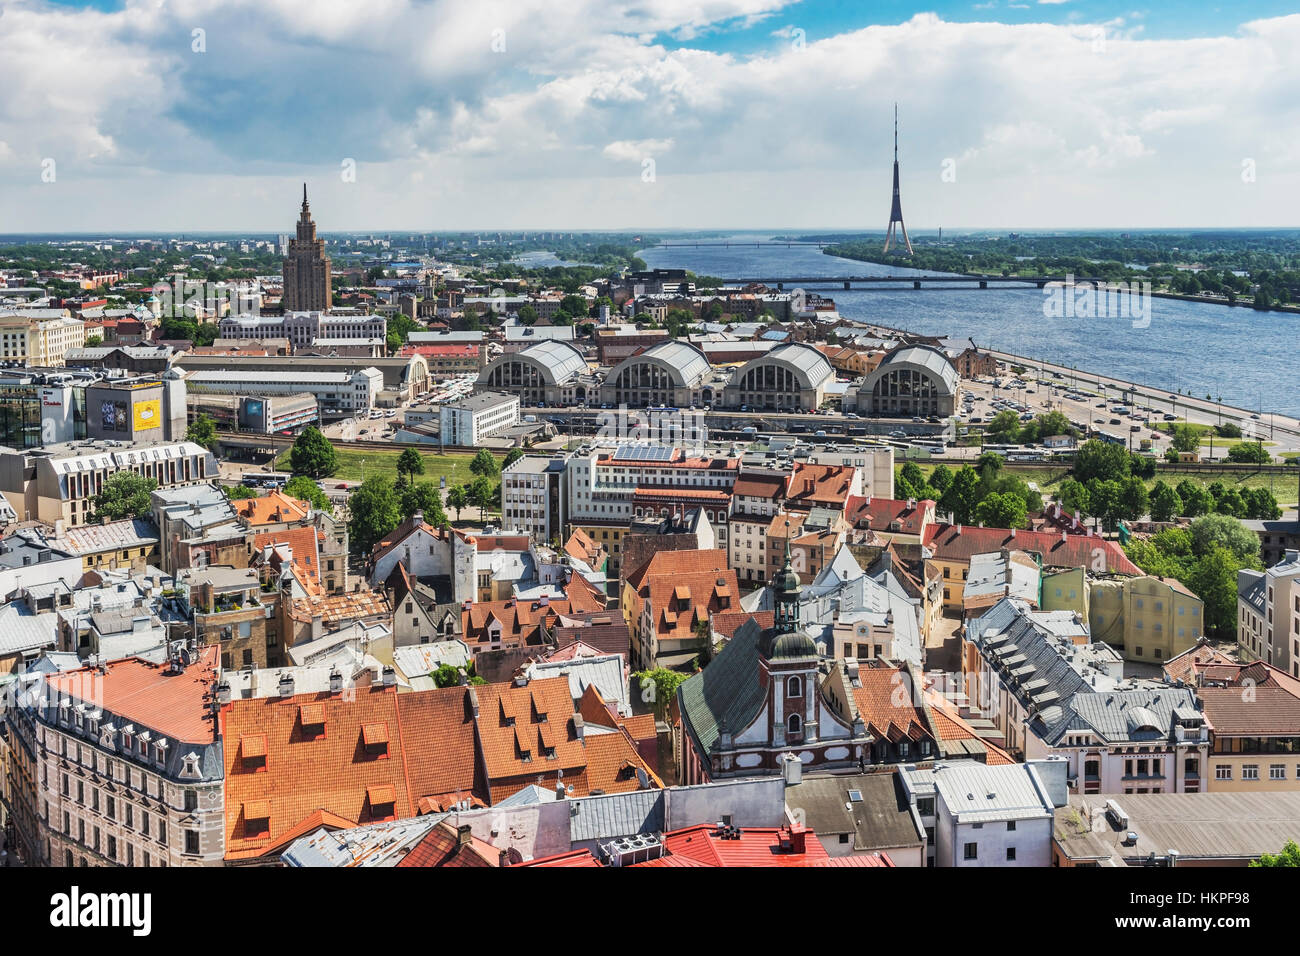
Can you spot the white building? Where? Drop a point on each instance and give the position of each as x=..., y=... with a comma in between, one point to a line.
x=532, y=497
x=338, y=394
x=995, y=815
x=304, y=329
x=478, y=416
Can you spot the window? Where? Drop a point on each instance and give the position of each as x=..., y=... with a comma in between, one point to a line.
x=1011, y=825
x=971, y=851
x=795, y=725
x=191, y=841
x=1277, y=771
x=1250, y=771
x=191, y=800
x=1011, y=853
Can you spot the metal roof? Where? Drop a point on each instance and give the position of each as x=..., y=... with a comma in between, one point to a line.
x=686, y=363
x=977, y=793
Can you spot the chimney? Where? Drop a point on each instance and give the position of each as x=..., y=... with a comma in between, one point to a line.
x=390, y=676
x=286, y=685
x=473, y=701
x=1065, y=537
x=464, y=835
x=559, y=789
x=798, y=838
x=579, y=726
x=418, y=518
x=223, y=693
x=1013, y=532
x=336, y=681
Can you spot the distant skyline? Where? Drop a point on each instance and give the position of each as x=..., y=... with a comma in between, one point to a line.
x=528, y=115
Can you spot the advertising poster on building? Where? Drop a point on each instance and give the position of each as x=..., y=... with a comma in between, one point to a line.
x=113, y=417
x=146, y=415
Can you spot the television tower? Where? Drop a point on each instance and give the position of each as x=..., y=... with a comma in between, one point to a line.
x=896, y=210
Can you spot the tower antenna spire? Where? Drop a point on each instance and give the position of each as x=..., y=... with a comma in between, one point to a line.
x=896, y=209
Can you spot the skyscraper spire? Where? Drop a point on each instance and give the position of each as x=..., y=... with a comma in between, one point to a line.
x=896, y=210
x=304, y=193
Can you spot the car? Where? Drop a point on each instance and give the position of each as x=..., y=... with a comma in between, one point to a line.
x=934, y=419
x=1255, y=417
x=1116, y=421
x=918, y=419
x=976, y=420
x=1101, y=404
x=1099, y=421
x=1170, y=417
x=1135, y=428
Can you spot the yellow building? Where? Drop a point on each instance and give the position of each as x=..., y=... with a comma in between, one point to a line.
x=1147, y=618
x=1066, y=591
x=40, y=339
x=1254, y=710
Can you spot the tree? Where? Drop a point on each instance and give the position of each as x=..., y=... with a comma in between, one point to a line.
x=1290, y=856
x=1221, y=531
x=511, y=457
x=989, y=464
x=1195, y=497
x=424, y=499
x=1230, y=503
x=1250, y=452
x=1004, y=425
x=446, y=676
x=125, y=495
x=1165, y=503
x=913, y=479
x=941, y=478
x=1133, y=501
x=1104, y=497
x=1185, y=437
x=1261, y=504
x=240, y=492
x=962, y=495
x=1142, y=466
x=527, y=315
x=1001, y=510
x=575, y=305
x=484, y=464
x=375, y=511
x=1074, y=497
x=458, y=498
x=482, y=495
x=202, y=431
x=1047, y=425
x=1103, y=460
x=304, y=489
x=409, y=464
x=313, y=455
x=1214, y=580
x=658, y=687
x=93, y=341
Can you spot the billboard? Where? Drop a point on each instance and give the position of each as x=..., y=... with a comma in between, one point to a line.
x=146, y=415
x=112, y=416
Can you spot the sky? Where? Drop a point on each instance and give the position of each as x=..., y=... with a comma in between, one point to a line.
x=200, y=115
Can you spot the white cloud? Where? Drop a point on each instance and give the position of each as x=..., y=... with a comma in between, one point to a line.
x=1046, y=128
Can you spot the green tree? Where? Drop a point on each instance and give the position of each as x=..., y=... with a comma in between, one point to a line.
x=125, y=495
x=1230, y=503
x=989, y=464
x=527, y=315
x=304, y=489
x=1261, y=505
x=1184, y=437
x=574, y=305
x=1165, y=503
x=202, y=431
x=511, y=457
x=1004, y=426
x=1074, y=497
x=446, y=676
x=93, y=341
x=941, y=478
x=1104, y=497
x=1001, y=510
x=1103, y=460
x=1250, y=453
x=482, y=495
x=426, y=499
x=1214, y=580
x=1221, y=531
x=485, y=464
x=913, y=479
x=1133, y=501
x=658, y=687
x=240, y=492
x=313, y=455
x=458, y=499
x=1290, y=856
x=1195, y=497
x=962, y=495
x=409, y=464
x=375, y=510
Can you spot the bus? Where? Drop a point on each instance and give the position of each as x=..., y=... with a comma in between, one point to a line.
x=265, y=479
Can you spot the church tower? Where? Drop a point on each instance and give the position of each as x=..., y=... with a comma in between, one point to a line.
x=306, y=269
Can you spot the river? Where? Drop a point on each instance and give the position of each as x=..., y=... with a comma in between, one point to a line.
x=1247, y=358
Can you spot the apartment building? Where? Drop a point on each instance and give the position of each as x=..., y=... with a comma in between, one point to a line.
x=58, y=483
x=532, y=497
x=130, y=772
x=476, y=417
x=1268, y=614
x=40, y=337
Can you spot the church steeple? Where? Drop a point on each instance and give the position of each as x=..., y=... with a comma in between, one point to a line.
x=786, y=595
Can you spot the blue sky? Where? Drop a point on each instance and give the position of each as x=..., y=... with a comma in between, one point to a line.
x=585, y=114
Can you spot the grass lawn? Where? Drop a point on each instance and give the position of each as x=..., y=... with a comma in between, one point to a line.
x=357, y=465
x=1233, y=442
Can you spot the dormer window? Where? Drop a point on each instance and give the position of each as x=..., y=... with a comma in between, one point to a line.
x=257, y=818
x=190, y=766
x=252, y=752
x=128, y=737
x=312, y=718
x=382, y=800
x=374, y=738
x=108, y=736
x=160, y=751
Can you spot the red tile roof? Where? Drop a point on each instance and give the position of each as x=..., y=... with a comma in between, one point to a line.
x=274, y=507
x=683, y=588
x=880, y=514
x=960, y=542
x=521, y=622
x=825, y=486
x=443, y=846
x=887, y=707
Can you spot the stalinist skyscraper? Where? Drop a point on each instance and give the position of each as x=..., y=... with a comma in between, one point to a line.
x=307, y=268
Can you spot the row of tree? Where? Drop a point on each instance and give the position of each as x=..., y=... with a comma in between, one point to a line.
x=985, y=494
